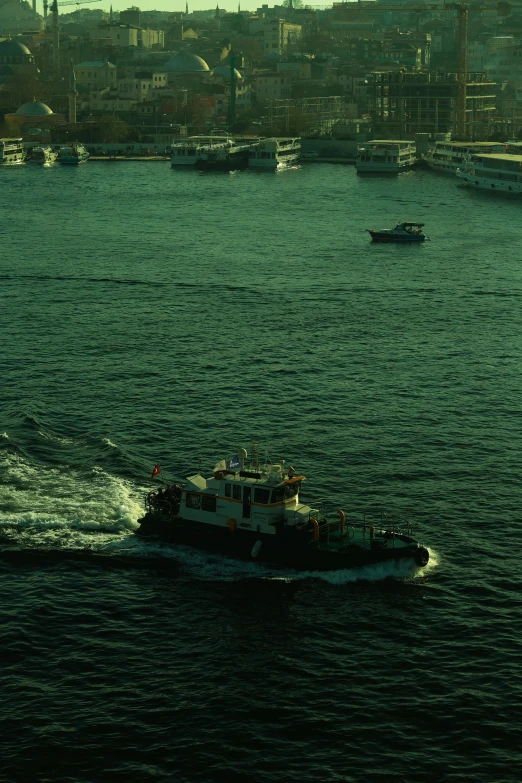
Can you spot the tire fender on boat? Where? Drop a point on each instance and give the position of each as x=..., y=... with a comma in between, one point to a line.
x=256, y=549
x=422, y=556
x=232, y=524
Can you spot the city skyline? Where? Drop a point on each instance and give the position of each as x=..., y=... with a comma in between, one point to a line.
x=175, y=7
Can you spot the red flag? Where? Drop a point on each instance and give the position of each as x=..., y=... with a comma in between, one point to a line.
x=155, y=471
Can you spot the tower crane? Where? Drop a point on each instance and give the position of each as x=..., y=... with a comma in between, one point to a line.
x=462, y=10
x=54, y=26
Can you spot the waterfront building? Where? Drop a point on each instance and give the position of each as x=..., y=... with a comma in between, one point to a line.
x=407, y=103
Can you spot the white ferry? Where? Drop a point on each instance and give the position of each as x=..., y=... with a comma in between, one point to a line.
x=447, y=156
x=386, y=155
x=42, y=155
x=274, y=153
x=251, y=510
x=184, y=153
x=228, y=158
x=11, y=151
x=73, y=154
x=497, y=173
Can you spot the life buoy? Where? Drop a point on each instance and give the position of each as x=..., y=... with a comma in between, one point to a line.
x=219, y=474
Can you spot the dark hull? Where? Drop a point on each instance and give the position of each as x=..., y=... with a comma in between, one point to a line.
x=393, y=238
x=231, y=163
x=286, y=548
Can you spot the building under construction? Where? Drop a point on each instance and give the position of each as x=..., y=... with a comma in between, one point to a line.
x=402, y=104
x=305, y=115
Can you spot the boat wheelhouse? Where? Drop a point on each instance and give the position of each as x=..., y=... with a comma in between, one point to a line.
x=184, y=153
x=275, y=153
x=447, y=156
x=383, y=156
x=496, y=173
x=11, y=151
x=252, y=510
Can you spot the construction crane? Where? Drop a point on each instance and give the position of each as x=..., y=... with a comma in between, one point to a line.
x=54, y=26
x=462, y=10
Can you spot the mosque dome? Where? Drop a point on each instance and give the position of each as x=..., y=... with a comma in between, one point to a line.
x=13, y=48
x=224, y=72
x=186, y=63
x=33, y=109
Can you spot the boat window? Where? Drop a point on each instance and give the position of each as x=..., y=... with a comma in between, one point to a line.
x=208, y=502
x=261, y=495
x=278, y=494
x=228, y=492
x=236, y=492
x=193, y=500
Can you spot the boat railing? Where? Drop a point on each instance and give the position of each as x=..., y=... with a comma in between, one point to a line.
x=392, y=523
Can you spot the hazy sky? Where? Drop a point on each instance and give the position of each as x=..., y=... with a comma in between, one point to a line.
x=173, y=5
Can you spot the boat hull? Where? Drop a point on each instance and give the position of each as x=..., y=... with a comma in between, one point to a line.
x=474, y=180
x=376, y=237
x=286, y=548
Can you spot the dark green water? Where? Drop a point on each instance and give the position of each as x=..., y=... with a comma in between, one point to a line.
x=151, y=315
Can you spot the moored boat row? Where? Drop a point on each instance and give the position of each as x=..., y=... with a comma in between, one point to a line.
x=228, y=153
x=12, y=152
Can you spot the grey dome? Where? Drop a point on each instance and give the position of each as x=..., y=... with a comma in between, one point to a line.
x=33, y=109
x=224, y=72
x=13, y=48
x=186, y=63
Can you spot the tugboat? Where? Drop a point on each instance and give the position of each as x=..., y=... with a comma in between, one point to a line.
x=402, y=232
x=252, y=512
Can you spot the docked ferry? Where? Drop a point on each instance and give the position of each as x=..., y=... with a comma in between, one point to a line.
x=184, y=153
x=447, y=156
x=275, y=153
x=385, y=156
x=11, y=151
x=251, y=510
x=73, y=154
x=231, y=158
x=496, y=173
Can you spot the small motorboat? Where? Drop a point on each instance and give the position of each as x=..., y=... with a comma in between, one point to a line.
x=402, y=232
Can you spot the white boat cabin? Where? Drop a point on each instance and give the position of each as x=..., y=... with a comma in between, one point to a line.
x=253, y=498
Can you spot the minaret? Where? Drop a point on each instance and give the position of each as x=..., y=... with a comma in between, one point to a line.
x=56, y=35
x=186, y=8
x=217, y=17
x=72, y=97
x=111, y=16
x=239, y=8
